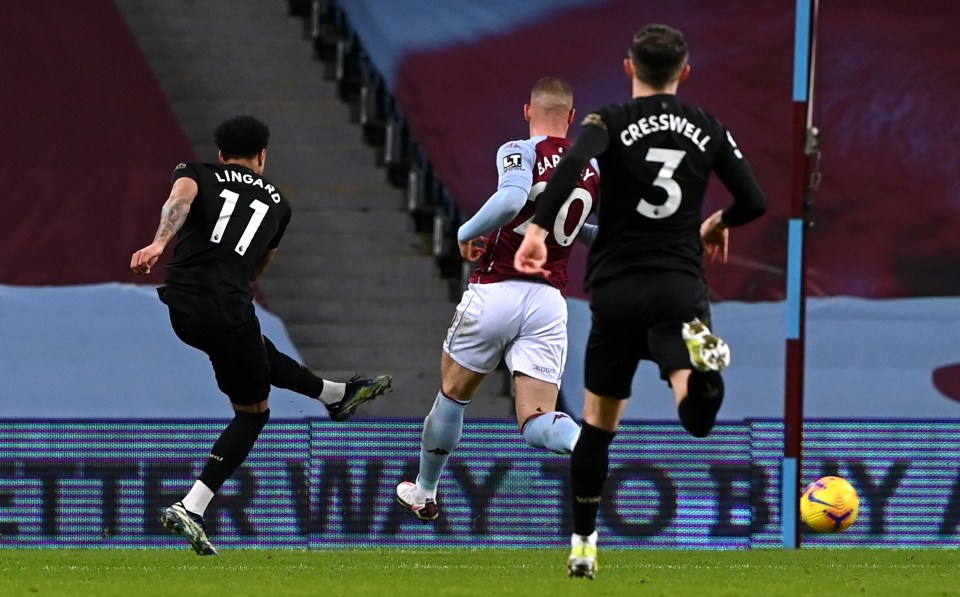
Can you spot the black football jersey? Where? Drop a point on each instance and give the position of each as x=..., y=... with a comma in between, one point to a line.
x=653, y=178
x=235, y=219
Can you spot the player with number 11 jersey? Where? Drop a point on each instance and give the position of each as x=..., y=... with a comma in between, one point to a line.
x=230, y=221
x=236, y=218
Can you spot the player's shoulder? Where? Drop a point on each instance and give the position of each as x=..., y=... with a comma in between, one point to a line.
x=274, y=189
x=518, y=145
x=701, y=115
x=513, y=154
x=197, y=168
x=186, y=167
x=185, y=170
x=547, y=144
x=608, y=116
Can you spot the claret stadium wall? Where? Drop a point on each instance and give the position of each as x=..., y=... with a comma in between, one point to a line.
x=90, y=451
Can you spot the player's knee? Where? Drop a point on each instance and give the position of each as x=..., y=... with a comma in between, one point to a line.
x=253, y=420
x=249, y=423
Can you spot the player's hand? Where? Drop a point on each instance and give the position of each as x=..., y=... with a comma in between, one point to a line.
x=716, y=237
x=532, y=253
x=143, y=260
x=472, y=249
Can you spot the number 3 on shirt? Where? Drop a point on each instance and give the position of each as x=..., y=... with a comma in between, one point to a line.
x=558, y=232
x=229, y=202
x=670, y=158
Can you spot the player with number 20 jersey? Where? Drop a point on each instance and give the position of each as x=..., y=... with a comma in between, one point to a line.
x=528, y=164
x=506, y=315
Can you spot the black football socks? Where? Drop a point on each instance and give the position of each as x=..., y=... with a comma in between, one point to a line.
x=232, y=447
x=588, y=469
x=288, y=374
x=698, y=410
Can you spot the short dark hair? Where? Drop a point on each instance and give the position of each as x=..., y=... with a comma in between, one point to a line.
x=659, y=53
x=241, y=137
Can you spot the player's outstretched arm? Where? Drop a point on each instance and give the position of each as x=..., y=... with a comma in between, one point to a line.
x=172, y=217
x=502, y=207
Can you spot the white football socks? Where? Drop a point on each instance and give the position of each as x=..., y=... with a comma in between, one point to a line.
x=332, y=392
x=198, y=498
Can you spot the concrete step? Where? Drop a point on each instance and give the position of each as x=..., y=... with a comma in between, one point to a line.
x=203, y=11
x=344, y=246
x=349, y=220
x=285, y=139
x=335, y=267
x=360, y=309
x=361, y=195
x=383, y=357
x=397, y=335
x=200, y=86
x=334, y=115
x=358, y=290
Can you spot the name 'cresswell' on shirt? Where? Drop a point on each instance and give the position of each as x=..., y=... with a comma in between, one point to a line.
x=664, y=122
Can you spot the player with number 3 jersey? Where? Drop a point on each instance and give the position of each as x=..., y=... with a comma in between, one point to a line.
x=507, y=315
x=645, y=273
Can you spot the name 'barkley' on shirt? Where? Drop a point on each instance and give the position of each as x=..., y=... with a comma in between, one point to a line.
x=664, y=122
x=549, y=162
x=250, y=179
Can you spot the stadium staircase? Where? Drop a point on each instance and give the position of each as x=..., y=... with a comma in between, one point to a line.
x=366, y=279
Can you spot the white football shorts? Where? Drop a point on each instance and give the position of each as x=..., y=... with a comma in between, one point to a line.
x=523, y=322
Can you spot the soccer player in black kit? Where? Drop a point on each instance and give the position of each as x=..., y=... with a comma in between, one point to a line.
x=645, y=269
x=230, y=221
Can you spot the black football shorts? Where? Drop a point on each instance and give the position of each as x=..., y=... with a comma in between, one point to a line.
x=638, y=316
x=238, y=355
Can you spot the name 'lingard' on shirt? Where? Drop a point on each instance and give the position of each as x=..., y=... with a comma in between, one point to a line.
x=250, y=179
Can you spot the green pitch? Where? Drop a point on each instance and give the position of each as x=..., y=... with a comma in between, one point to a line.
x=435, y=573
